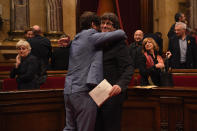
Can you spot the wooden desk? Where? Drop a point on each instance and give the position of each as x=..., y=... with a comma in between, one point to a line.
x=33, y=110
x=157, y=109
x=165, y=109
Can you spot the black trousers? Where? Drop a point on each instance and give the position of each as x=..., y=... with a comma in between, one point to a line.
x=183, y=65
x=109, y=115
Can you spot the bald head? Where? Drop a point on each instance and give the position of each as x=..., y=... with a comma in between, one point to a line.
x=36, y=30
x=138, y=35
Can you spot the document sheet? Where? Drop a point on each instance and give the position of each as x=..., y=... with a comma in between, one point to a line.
x=101, y=92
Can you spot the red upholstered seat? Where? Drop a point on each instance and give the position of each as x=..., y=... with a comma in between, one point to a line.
x=6, y=68
x=58, y=82
x=53, y=83
x=186, y=81
x=9, y=84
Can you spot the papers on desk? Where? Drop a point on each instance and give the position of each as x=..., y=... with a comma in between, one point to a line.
x=101, y=92
x=146, y=87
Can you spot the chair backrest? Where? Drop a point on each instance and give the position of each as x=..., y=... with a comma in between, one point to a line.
x=53, y=83
x=186, y=80
x=9, y=84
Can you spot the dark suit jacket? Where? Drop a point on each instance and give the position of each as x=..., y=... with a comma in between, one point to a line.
x=117, y=68
x=135, y=50
x=171, y=32
x=27, y=73
x=191, y=53
x=41, y=48
x=60, y=58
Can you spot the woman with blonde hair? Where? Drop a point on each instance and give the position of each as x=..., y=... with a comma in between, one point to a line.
x=151, y=63
x=26, y=68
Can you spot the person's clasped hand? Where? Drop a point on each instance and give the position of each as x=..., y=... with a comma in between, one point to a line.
x=115, y=90
x=159, y=65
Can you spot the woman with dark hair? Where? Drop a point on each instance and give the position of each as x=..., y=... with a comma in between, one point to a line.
x=150, y=63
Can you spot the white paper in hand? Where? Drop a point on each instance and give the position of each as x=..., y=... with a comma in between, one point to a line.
x=101, y=92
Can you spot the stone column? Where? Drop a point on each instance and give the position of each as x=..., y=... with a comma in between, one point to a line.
x=19, y=18
x=193, y=12
x=54, y=16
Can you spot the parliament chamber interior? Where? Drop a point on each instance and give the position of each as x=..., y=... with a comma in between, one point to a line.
x=165, y=108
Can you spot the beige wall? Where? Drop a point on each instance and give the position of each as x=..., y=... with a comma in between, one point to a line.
x=38, y=16
x=69, y=17
x=37, y=10
x=6, y=16
x=164, y=11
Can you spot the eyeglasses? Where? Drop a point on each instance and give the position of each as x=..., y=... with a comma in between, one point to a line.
x=107, y=23
x=22, y=48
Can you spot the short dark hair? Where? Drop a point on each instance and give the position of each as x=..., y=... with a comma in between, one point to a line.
x=87, y=18
x=177, y=16
x=158, y=34
x=113, y=18
x=28, y=29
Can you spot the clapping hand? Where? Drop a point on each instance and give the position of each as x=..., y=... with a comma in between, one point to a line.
x=159, y=65
x=64, y=41
x=168, y=54
x=18, y=60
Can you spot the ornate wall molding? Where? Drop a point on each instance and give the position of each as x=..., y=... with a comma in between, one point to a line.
x=19, y=15
x=54, y=16
x=193, y=12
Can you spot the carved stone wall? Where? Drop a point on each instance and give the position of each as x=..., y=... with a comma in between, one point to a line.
x=163, y=18
x=54, y=16
x=37, y=16
x=193, y=11
x=19, y=15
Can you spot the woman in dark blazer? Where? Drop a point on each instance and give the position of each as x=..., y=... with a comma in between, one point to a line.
x=150, y=63
x=26, y=68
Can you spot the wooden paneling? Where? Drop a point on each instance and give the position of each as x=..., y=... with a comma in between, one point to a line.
x=141, y=115
x=147, y=15
x=156, y=109
x=32, y=110
x=190, y=114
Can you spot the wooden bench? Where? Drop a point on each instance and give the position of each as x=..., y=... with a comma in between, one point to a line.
x=56, y=79
x=181, y=77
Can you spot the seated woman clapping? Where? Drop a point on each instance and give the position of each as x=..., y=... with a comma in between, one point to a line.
x=27, y=67
x=150, y=63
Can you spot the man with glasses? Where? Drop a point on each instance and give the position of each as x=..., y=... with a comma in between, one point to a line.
x=118, y=70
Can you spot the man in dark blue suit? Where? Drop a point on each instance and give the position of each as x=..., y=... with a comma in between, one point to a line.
x=182, y=48
x=42, y=49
